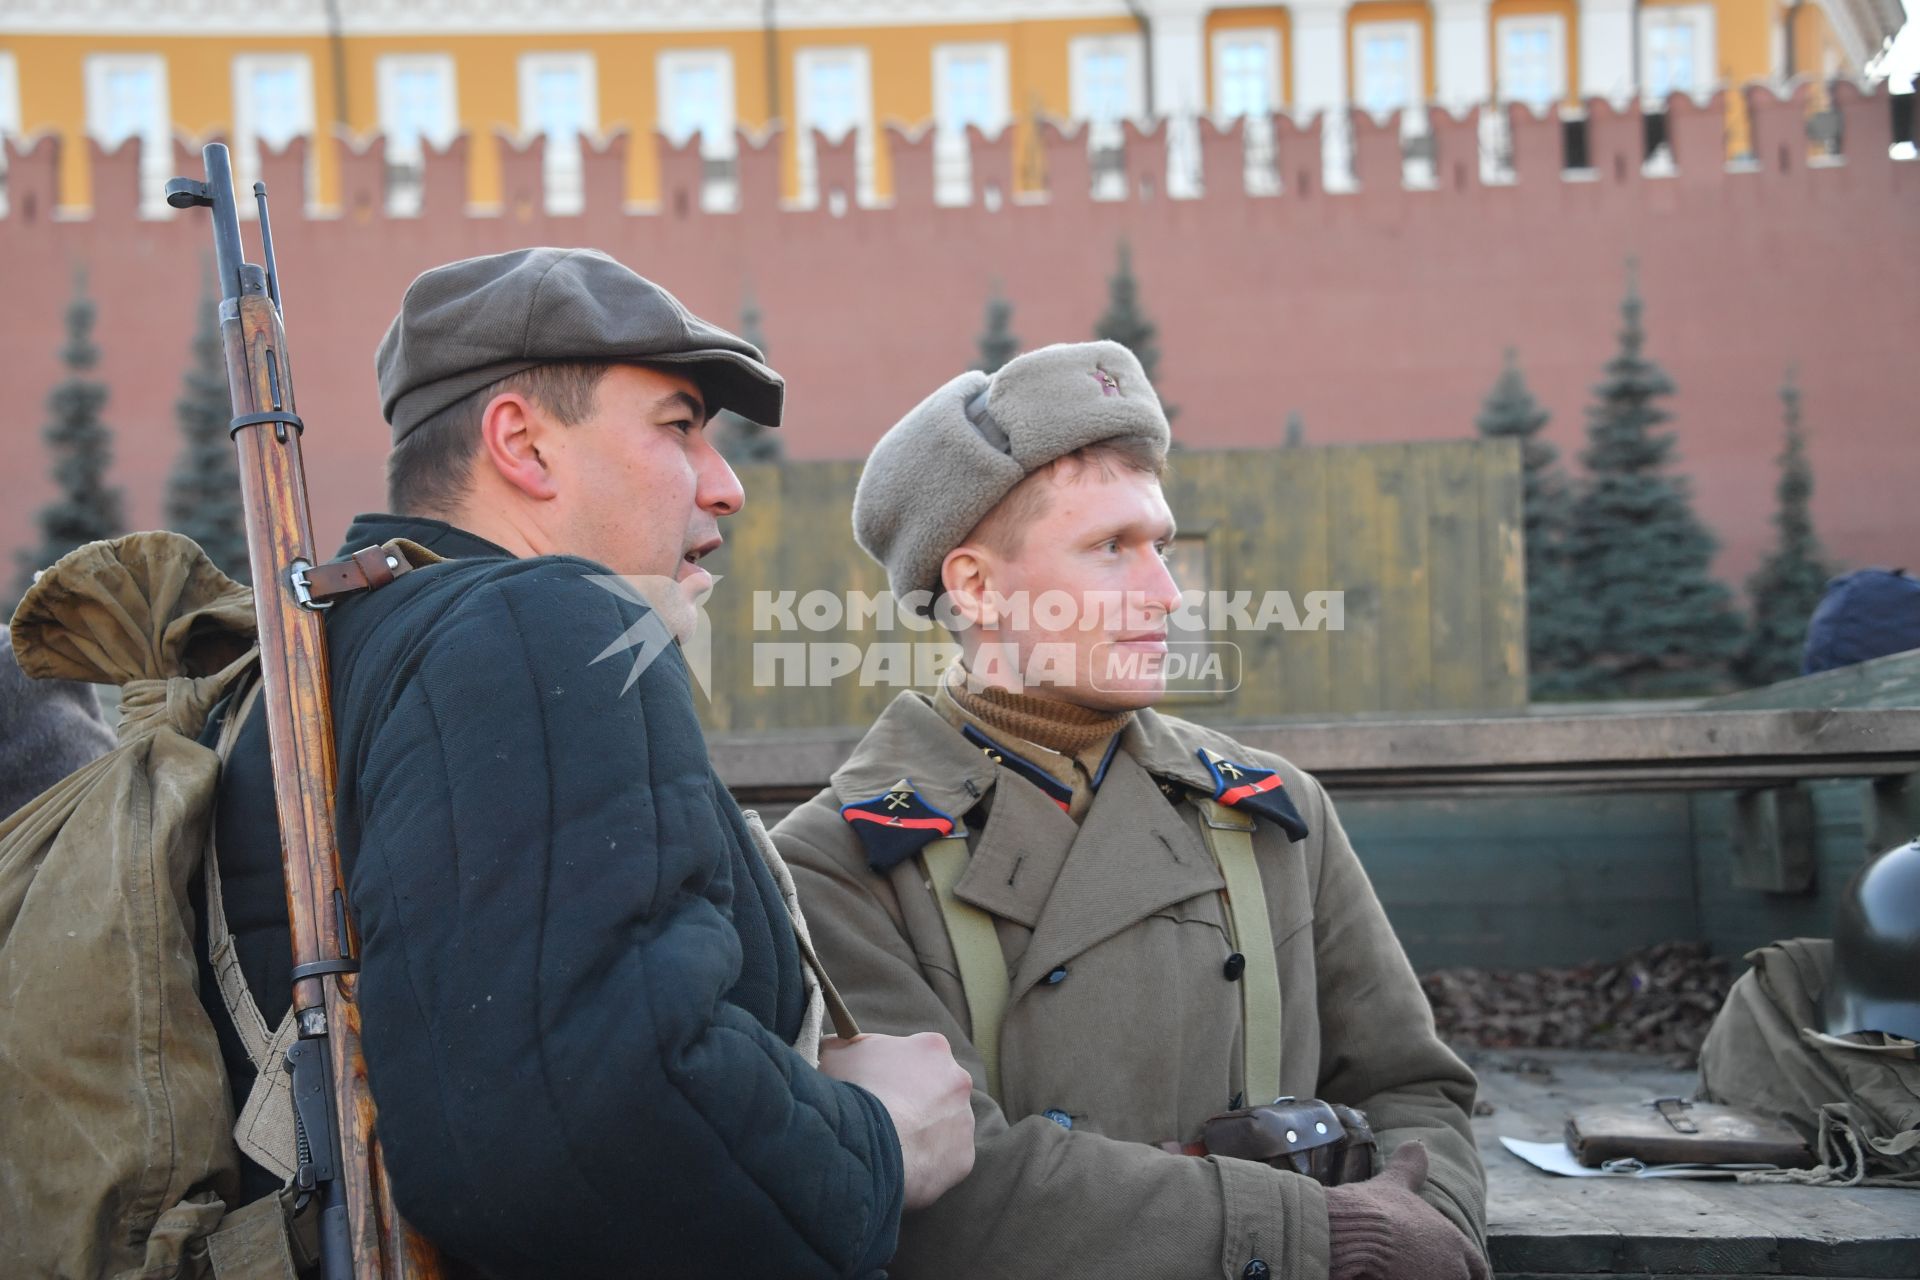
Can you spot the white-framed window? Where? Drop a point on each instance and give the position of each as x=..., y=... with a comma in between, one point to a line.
x=416, y=103
x=1246, y=72
x=560, y=100
x=834, y=95
x=969, y=88
x=1389, y=66
x=1107, y=79
x=696, y=97
x=1246, y=86
x=9, y=117
x=1677, y=53
x=127, y=98
x=1533, y=59
x=272, y=105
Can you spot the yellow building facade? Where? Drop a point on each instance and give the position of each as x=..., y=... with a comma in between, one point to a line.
x=502, y=69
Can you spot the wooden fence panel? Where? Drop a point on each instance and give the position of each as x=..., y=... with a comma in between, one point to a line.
x=1423, y=541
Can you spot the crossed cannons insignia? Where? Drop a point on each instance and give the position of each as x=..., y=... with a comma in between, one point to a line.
x=1253, y=790
x=895, y=825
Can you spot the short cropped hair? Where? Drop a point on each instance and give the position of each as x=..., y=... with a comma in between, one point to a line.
x=430, y=472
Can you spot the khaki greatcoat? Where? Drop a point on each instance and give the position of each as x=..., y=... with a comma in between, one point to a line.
x=1137, y=1038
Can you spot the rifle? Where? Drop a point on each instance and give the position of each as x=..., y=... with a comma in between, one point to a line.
x=362, y=1237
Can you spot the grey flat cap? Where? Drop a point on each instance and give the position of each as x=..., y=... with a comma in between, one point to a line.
x=938, y=472
x=469, y=323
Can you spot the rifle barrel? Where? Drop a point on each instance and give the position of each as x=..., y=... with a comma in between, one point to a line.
x=227, y=254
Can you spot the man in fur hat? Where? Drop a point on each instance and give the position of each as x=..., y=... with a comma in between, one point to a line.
x=1127, y=923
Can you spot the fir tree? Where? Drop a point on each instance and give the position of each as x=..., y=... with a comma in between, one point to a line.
x=203, y=491
x=1789, y=583
x=1126, y=323
x=1651, y=618
x=82, y=447
x=1511, y=412
x=997, y=342
x=740, y=439
x=1296, y=430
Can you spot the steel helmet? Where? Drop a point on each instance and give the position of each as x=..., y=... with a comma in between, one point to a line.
x=1876, y=948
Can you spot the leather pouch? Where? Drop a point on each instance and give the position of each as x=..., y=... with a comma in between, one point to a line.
x=1328, y=1142
x=1675, y=1131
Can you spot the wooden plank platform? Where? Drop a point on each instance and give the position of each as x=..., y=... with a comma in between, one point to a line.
x=1652, y=752
x=1543, y=1227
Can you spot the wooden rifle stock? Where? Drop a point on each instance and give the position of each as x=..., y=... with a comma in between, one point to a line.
x=362, y=1236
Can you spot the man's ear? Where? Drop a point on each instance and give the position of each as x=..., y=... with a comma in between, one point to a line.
x=513, y=436
x=967, y=575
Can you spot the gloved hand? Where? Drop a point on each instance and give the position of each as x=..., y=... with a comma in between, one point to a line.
x=1381, y=1229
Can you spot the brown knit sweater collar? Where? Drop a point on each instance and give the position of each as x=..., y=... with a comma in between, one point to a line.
x=1057, y=726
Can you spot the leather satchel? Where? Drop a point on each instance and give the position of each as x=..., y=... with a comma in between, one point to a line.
x=1676, y=1131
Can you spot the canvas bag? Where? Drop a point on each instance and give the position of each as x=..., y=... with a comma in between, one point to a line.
x=119, y=1153
x=119, y=1156
x=1856, y=1098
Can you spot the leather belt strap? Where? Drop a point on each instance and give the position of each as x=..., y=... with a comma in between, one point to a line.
x=976, y=950
x=365, y=570
x=1674, y=1112
x=1229, y=837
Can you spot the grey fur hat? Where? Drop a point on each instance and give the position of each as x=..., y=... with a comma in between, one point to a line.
x=938, y=472
x=48, y=728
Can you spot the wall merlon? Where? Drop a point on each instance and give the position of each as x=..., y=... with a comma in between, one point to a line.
x=1538, y=151
x=443, y=179
x=363, y=177
x=992, y=164
x=1378, y=166
x=1616, y=141
x=1456, y=148
x=1697, y=133
x=758, y=162
x=838, y=170
x=116, y=180
x=1144, y=159
x=683, y=176
x=1780, y=127
x=523, y=182
x=1069, y=170
x=1223, y=158
x=603, y=170
x=910, y=152
x=1864, y=116
x=33, y=177
x=1297, y=150
x=285, y=170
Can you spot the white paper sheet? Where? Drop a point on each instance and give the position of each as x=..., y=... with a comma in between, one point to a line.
x=1553, y=1157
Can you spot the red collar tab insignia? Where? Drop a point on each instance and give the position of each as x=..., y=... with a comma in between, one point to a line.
x=1052, y=787
x=1252, y=790
x=895, y=825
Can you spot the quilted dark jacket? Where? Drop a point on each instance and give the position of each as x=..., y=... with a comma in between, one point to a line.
x=579, y=982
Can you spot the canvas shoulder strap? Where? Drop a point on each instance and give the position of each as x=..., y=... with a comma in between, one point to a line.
x=1229, y=837
x=265, y=1129
x=976, y=950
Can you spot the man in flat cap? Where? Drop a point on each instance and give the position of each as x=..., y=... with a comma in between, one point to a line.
x=1129, y=923
x=590, y=1022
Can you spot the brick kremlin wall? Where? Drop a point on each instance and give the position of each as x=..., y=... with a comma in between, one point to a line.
x=1378, y=314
